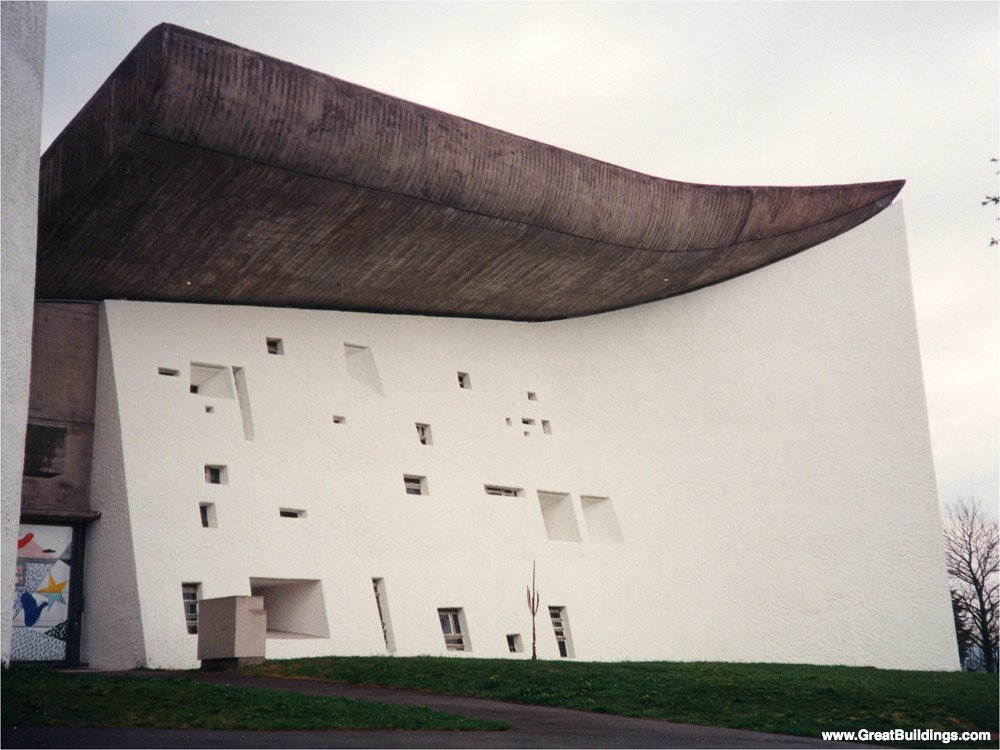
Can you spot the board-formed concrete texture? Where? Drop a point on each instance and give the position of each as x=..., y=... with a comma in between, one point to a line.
x=335, y=196
x=22, y=51
x=742, y=473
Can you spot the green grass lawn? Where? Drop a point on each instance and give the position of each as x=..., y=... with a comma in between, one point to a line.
x=35, y=696
x=790, y=699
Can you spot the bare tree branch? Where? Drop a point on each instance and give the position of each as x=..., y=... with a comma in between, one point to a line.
x=971, y=546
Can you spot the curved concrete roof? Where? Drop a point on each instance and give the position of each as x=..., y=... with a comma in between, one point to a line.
x=205, y=172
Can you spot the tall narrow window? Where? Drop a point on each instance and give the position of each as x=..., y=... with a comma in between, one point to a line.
x=190, y=594
x=382, y=604
x=514, y=644
x=207, y=512
x=424, y=433
x=451, y=627
x=243, y=397
x=559, y=625
x=464, y=381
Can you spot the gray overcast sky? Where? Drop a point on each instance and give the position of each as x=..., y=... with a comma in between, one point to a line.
x=725, y=93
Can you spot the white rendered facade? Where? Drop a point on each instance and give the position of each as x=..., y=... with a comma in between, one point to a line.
x=22, y=54
x=763, y=444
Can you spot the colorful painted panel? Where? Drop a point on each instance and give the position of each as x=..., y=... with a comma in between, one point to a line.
x=41, y=593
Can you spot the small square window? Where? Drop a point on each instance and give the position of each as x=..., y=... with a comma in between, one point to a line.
x=532, y=396
x=190, y=594
x=291, y=513
x=210, y=410
x=169, y=372
x=216, y=474
x=514, y=644
x=424, y=434
x=464, y=381
x=194, y=388
x=415, y=485
x=207, y=511
x=275, y=346
x=338, y=419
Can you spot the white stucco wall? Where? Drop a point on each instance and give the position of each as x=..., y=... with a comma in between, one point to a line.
x=22, y=51
x=763, y=442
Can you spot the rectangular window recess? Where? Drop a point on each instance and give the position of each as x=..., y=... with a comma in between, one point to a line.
x=602, y=522
x=361, y=366
x=546, y=427
x=295, y=608
x=216, y=474
x=275, y=346
x=169, y=372
x=559, y=516
x=415, y=485
x=210, y=410
x=561, y=629
x=525, y=420
x=210, y=380
x=451, y=628
x=532, y=396
x=464, y=381
x=510, y=422
x=338, y=419
x=291, y=513
x=44, y=450
x=207, y=511
x=501, y=491
x=190, y=594
x=424, y=434
x=514, y=644
x=382, y=604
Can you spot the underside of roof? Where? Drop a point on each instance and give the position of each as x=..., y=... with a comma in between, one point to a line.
x=205, y=172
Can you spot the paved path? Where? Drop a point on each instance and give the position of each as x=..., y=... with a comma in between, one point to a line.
x=531, y=726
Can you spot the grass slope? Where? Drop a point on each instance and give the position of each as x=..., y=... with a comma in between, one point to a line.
x=791, y=699
x=43, y=697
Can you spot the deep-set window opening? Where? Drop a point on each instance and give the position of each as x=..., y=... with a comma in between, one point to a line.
x=501, y=491
x=414, y=484
x=215, y=474
x=190, y=594
x=451, y=628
